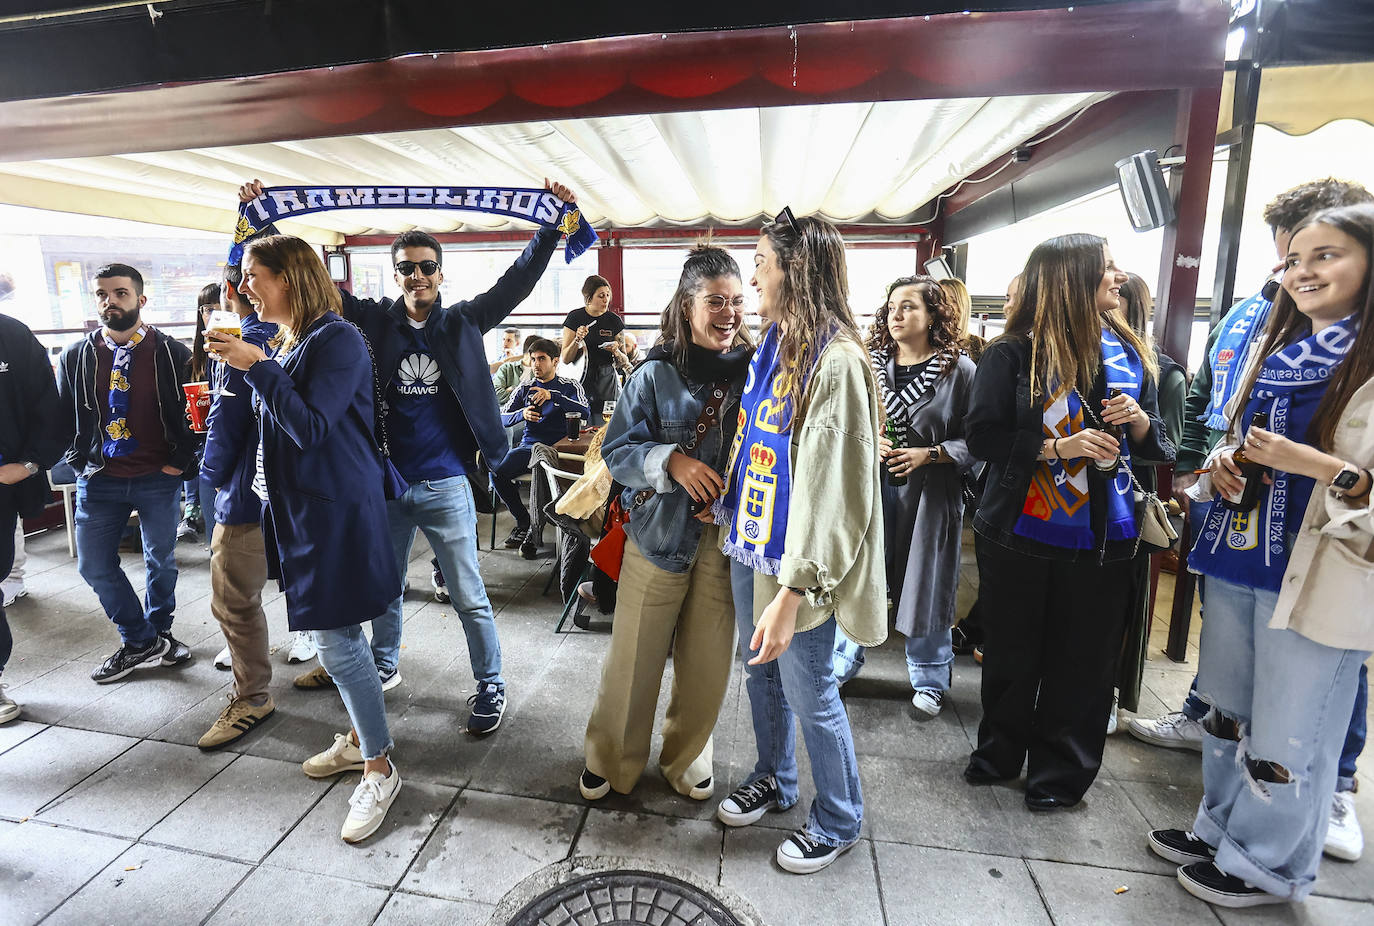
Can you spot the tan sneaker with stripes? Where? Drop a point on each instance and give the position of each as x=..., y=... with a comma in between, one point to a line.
x=314, y=680
x=235, y=721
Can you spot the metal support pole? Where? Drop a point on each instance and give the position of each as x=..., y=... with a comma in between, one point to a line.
x=610, y=263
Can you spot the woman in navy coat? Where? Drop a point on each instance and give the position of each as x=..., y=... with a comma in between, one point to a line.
x=325, y=514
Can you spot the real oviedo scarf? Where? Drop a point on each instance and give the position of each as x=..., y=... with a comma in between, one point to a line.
x=759, y=475
x=1057, y=510
x=1251, y=547
x=1239, y=330
x=119, y=440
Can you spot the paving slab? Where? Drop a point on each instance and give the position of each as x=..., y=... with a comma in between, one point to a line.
x=416, y=910
x=1128, y=759
x=929, y=803
x=1105, y=829
x=536, y=758
x=151, y=698
x=40, y=866
x=433, y=744
x=16, y=731
x=297, y=898
x=1077, y=894
x=61, y=692
x=381, y=859
x=845, y=894
x=488, y=843
x=153, y=884
x=691, y=844
x=130, y=795
x=890, y=726
x=274, y=795
x=25, y=667
x=1315, y=911
x=46, y=764
x=924, y=886
x=1165, y=806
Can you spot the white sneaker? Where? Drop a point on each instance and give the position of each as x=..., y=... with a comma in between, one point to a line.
x=1111, y=718
x=343, y=756
x=1172, y=731
x=1344, y=840
x=302, y=647
x=390, y=681
x=13, y=591
x=9, y=710
x=223, y=660
x=368, y=806
x=928, y=701
x=802, y=855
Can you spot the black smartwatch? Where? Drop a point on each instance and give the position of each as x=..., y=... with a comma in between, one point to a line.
x=1346, y=479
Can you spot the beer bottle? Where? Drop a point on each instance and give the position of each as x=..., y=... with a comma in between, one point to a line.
x=892, y=478
x=1252, y=472
x=1117, y=432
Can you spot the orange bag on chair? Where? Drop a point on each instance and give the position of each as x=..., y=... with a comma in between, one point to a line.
x=610, y=549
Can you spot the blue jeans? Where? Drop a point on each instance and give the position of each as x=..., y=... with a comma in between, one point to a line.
x=802, y=679
x=1280, y=710
x=103, y=506
x=345, y=656
x=928, y=659
x=442, y=508
x=1355, y=735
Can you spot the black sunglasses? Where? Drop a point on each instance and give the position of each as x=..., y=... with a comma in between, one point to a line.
x=406, y=267
x=786, y=216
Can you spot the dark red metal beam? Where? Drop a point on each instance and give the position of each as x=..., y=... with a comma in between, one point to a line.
x=1149, y=44
x=897, y=234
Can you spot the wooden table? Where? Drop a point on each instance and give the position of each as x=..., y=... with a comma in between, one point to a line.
x=573, y=451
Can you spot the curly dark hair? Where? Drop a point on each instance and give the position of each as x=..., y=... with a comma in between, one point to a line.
x=944, y=320
x=1285, y=211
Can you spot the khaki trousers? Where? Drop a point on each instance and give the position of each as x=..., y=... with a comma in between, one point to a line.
x=238, y=571
x=690, y=615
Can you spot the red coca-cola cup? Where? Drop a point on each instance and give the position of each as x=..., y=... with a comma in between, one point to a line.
x=198, y=406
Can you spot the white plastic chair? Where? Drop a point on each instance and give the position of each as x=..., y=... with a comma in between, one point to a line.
x=68, y=490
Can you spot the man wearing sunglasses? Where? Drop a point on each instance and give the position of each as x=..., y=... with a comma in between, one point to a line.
x=439, y=411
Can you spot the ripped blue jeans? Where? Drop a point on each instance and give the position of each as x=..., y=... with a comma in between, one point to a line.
x=1281, y=706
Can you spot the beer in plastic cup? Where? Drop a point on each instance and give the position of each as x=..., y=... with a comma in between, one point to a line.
x=226, y=322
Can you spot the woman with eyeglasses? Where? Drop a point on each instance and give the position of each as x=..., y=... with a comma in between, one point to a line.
x=1286, y=549
x=199, y=511
x=924, y=381
x=803, y=514
x=1063, y=404
x=667, y=446
x=595, y=330
x=324, y=515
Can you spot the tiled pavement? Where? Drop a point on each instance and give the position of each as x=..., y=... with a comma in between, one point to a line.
x=109, y=814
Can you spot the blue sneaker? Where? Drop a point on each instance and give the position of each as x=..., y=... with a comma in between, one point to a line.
x=488, y=706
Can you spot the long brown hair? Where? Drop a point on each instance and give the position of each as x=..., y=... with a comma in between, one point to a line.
x=1287, y=325
x=309, y=292
x=944, y=320
x=209, y=295
x=1057, y=311
x=814, y=296
x=705, y=262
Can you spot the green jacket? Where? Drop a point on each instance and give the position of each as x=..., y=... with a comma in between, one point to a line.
x=834, y=544
x=506, y=378
x=1198, y=439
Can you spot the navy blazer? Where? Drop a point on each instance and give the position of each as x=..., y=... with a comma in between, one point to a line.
x=454, y=334
x=325, y=520
x=231, y=444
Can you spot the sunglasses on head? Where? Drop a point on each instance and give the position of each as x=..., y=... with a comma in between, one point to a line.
x=786, y=216
x=406, y=267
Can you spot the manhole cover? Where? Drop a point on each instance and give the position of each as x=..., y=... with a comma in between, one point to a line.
x=612, y=891
x=625, y=898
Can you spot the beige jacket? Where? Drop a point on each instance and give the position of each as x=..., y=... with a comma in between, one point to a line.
x=1329, y=582
x=834, y=545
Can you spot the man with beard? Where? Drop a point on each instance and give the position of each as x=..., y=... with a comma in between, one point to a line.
x=121, y=385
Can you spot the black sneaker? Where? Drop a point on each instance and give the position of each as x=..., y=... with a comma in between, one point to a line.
x=517, y=536
x=592, y=786
x=528, y=548
x=1179, y=846
x=488, y=706
x=801, y=855
x=177, y=652
x=1205, y=881
x=749, y=803
x=126, y=659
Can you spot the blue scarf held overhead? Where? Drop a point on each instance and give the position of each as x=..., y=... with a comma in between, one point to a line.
x=1251, y=547
x=758, y=488
x=538, y=206
x=1057, y=509
x=1239, y=329
x=119, y=440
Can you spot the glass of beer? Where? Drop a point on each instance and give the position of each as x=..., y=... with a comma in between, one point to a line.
x=225, y=323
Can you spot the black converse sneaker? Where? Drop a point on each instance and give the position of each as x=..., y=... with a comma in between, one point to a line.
x=801, y=855
x=1179, y=846
x=128, y=658
x=177, y=652
x=749, y=803
x=592, y=786
x=1205, y=881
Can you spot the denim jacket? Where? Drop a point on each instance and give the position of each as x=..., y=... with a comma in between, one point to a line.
x=656, y=414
